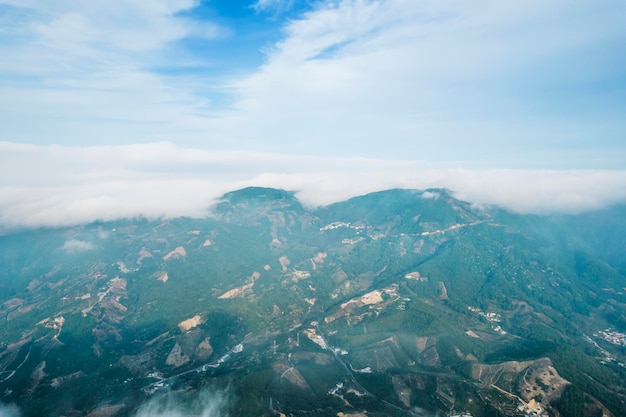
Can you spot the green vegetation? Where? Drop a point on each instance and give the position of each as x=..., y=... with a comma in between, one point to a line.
x=90, y=315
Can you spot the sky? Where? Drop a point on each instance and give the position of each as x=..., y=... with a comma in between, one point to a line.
x=122, y=108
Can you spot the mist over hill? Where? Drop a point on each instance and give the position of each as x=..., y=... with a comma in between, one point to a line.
x=399, y=302
x=62, y=186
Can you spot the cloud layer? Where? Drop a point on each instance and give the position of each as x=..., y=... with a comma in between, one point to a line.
x=56, y=186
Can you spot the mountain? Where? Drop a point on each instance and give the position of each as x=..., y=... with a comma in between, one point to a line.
x=400, y=302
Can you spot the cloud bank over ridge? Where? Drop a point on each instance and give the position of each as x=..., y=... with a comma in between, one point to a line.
x=59, y=186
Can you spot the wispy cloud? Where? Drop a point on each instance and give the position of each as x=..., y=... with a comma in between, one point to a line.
x=278, y=6
x=77, y=71
x=53, y=185
x=496, y=83
x=77, y=246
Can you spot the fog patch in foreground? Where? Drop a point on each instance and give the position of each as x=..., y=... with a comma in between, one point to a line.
x=420, y=412
x=9, y=410
x=204, y=403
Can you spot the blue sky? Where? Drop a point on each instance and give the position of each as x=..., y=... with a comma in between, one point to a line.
x=419, y=89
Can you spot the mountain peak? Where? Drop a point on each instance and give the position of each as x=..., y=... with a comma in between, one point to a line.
x=254, y=204
x=258, y=193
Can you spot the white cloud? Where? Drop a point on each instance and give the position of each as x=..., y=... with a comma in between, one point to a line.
x=485, y=81
x=54, y=185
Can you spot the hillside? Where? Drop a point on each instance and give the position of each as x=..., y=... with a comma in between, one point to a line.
x=385, y=304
